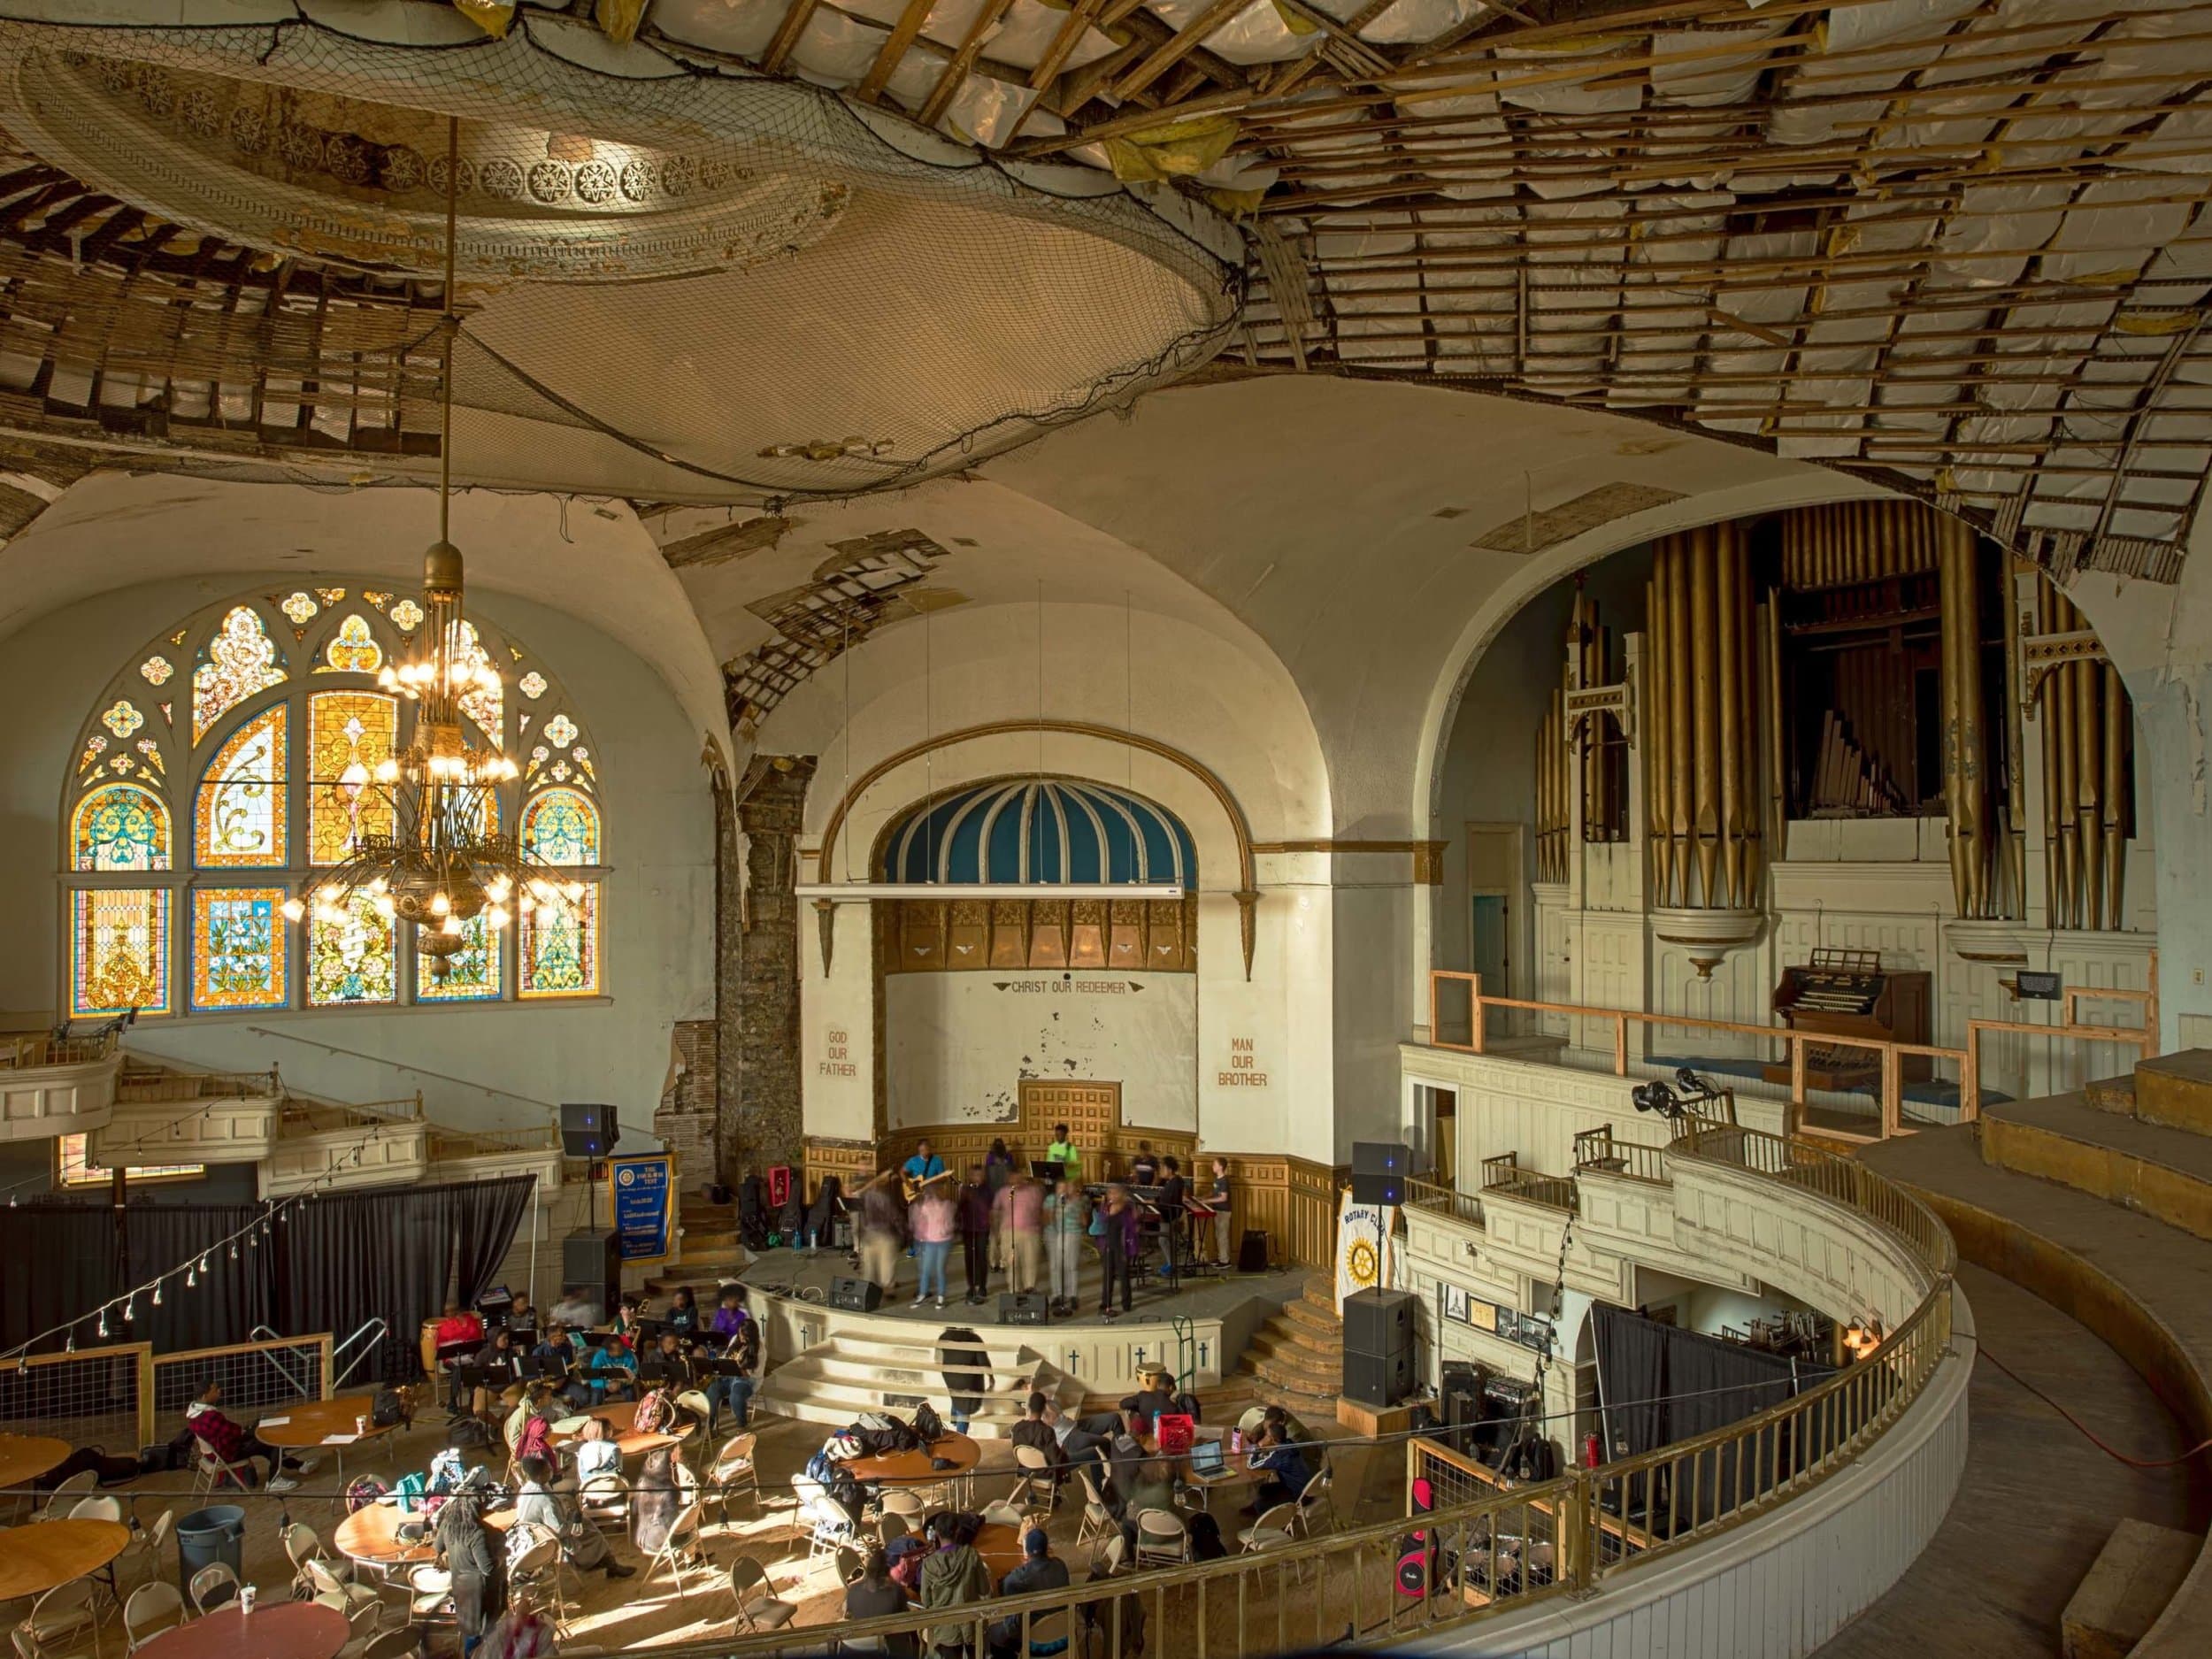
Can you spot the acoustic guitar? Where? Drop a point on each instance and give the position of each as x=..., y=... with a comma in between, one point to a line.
x=915, y=1187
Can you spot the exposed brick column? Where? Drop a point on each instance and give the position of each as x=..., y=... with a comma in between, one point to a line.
x=688, y=1117
x=757, y=967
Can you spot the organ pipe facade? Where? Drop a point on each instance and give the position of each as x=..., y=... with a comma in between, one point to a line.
x=1701, y=715
x=2086, y=721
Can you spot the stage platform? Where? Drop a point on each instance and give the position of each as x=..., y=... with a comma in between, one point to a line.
x=826, y=1364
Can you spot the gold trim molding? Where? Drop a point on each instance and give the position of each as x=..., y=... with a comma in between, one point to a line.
x=1428, y=857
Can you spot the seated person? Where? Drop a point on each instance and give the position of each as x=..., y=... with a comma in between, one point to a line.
x=1282, y=1469
x=1040, y=1570
x=596, y=1451
x=497, y=1356
x=876, y=1594
x=1142, y=1480
x=528, y=1427
x=1083, y=1440
x=627, y=1312
x=558, y=1350
x=683, y=1313
x=1297, y=1435
x=741, y=1344
x=906, y=1554
x=1035, y=1430
x=576, y=1309
x=235, y=1444
x=673, y=1363
x=522, y=1319
x=611, y=1371
x=1157, y=1395
x=538, y=1504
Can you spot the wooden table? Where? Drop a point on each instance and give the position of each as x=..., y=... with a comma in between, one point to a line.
x=911, y=1468
x=370, y=1536
x=1000, y=1547
x=24, y=1457
x=621, y=1417
x=36, y=1558
x=274, y=1630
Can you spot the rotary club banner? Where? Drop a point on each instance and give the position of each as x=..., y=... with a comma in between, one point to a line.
x=1365, y=1246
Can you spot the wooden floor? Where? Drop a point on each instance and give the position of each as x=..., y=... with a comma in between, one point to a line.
x=2036, y=1501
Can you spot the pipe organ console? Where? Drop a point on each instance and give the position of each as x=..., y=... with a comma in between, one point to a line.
x=1848, y=994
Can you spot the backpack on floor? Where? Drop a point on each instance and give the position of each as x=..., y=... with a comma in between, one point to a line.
x=361, y=1491
x=469, y=1434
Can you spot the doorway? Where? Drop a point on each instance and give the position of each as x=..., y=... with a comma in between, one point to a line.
x=1493, y=882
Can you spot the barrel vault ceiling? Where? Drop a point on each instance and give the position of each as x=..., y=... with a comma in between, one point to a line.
x=1956, y=247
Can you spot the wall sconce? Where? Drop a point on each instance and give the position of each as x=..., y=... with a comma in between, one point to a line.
x=1861, y=1336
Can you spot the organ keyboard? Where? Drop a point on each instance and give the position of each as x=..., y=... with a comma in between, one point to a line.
x=1848, y=994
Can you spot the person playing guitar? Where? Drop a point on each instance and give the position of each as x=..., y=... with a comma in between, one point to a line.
x=920, y=1170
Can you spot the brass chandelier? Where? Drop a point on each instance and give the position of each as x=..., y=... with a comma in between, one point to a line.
x=445, y=861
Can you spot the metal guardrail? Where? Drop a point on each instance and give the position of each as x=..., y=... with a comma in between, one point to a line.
x=1888, y=1058
x=25, y=1051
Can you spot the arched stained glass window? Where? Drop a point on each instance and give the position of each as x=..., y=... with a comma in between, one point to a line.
x=120, y=826
x=222, y=807
x=242, y=814
x=241, y=662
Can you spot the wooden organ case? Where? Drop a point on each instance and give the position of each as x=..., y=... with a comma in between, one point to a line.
x=1847, y=993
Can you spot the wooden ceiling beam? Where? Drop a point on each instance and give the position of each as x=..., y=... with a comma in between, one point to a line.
x=903, y=36
x=787, y=35
x=962, y=61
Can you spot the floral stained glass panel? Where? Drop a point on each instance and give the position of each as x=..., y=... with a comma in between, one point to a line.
x=349, y=733
x=560, y=948
x=353, y=650
x=119, y=950
x=241, y=660
x=481, y=703
x=561, y=827
x=120, y=827
x=352, y=959
x=473, y=970
x=240, y=945
x=239, y=817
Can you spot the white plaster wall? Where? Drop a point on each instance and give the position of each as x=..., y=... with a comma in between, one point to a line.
x=477, y=1065
x=958, y=1045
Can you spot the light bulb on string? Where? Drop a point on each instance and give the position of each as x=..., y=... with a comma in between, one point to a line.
x=191, y=1277
x=70, y=1346
x=204, y=1261
x=157, y=1293
x=130, y=1307
x=234, y=1249
x=104, y=1323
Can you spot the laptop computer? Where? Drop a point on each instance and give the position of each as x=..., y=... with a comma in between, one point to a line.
x=1208, y=1458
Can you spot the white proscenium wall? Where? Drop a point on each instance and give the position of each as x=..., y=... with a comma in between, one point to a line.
x=960, y=1045
x=477, y=1065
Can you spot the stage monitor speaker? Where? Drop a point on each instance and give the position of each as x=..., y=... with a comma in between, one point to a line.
x=588, y=1131
x=1379, y=1171
x=1377, y=1379
x=593, y=1260
x=1252, y=1252
x=1029, y=1307
x=1378, y=1322
x=855, y=1296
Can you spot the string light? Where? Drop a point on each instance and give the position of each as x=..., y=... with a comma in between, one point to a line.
x=157, y=1293
x=104, y=1323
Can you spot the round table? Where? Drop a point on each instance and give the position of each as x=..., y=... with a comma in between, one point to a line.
x=1000, y=1547
x=621, y=1417
x=274, y=1630
x=35, y=1558
x=24, y=1457
x=308, y=1424
x=912, y=1469
x=370, y=1536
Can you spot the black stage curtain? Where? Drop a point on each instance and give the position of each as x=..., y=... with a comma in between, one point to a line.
x=487, y=1227
x=1658, y=1384
x=332, y=1264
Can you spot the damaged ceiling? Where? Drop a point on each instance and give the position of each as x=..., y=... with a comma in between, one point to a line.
x=1953, y=247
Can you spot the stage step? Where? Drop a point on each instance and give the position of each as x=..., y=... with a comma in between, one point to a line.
x=2111, y=1095
x=2175, y=1090
x=835, y=1380
x=1297, y=1357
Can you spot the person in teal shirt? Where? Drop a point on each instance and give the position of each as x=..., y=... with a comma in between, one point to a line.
x=923, y=1165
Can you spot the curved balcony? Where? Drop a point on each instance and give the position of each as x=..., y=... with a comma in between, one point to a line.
x=170, y=1116
x=52, y=1087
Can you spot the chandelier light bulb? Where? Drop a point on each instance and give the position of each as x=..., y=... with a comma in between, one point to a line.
x=191, y=1277
x=494, y=918
x=386, y=771
x=203, y=1262
x=104, y=1323
x=388, y=679
x=525, y=903
x=385, y=907
x=452, y=928
x=234, y=1249
x=439, y=904
x=575, y=892
x=294, y=909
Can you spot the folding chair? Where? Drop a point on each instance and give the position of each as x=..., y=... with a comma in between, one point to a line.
x=1162, y=1539
x=212, y=1586
x=683, y=1540
x=210, y=1472
x=1098, y=1520
x=61, y=1613
x=605, y=1498
x=762, y=1611
x=1033, y=1470
x=152, y=1609
x=1316, y=1506
x=733, y=1470
x=1274, y=1529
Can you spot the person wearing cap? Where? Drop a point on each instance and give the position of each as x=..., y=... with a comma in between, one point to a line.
x=1040, y=1570
x=906, y=1554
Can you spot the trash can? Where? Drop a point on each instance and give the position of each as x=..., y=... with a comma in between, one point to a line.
x=207, y=1536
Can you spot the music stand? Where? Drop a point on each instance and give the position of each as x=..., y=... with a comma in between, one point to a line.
x=1045, y=1169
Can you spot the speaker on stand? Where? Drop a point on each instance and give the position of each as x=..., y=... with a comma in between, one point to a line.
x=1378, y=1345
x=591, y=1255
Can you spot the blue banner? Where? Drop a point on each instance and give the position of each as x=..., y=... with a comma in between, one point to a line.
x=642, y=1186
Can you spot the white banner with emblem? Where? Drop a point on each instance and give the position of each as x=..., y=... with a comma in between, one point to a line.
x=1365, y=1246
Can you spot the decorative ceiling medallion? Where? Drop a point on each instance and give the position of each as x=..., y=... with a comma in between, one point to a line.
x=362, y=183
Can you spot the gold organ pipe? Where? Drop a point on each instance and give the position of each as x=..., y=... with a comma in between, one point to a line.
x=2087, y=679
x=2111, y=803
x=1966, y=783
x=1705, y=694
x=1728, y=628
x=2016, y=845
x=1682, y=755
x=2058, y=702
x=1749, y=817
x=2047, y=731
x=1658, y=798
x=1777, y=786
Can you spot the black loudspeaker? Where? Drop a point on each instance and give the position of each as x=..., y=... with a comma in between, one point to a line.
x=594, y=1261
x=1379, y=1171
x=855, y=1296
x=1252, y=1252
x=1378, y=1322
x=588, y=1131
x=1377, y=1379
x=1029, y=1307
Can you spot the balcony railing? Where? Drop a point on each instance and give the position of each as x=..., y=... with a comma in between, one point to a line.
x=154, y=1087
x=1596, y=1150
x=1505, y=1178
x=1448, y=1200
x=25, y=1051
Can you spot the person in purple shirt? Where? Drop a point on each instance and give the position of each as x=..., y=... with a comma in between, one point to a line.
x=974, y=1205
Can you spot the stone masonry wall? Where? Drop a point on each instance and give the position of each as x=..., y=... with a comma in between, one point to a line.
x=686, y=1117
x=757, y=1001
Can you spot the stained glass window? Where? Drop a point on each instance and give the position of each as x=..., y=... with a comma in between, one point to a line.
x=562, y=827
x=406, y=616
x=352, y=959
x=239, y=947
x=533, y=685
x=349, y=733
x=560, y=948
x=119, y=950
x=78, y=1170
x=241, y=660
x=301, y=608
x=120, y=826
x=240, y=817
x=472, y=972
x=123, y=718
x=156, y=670
x=353, y=650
